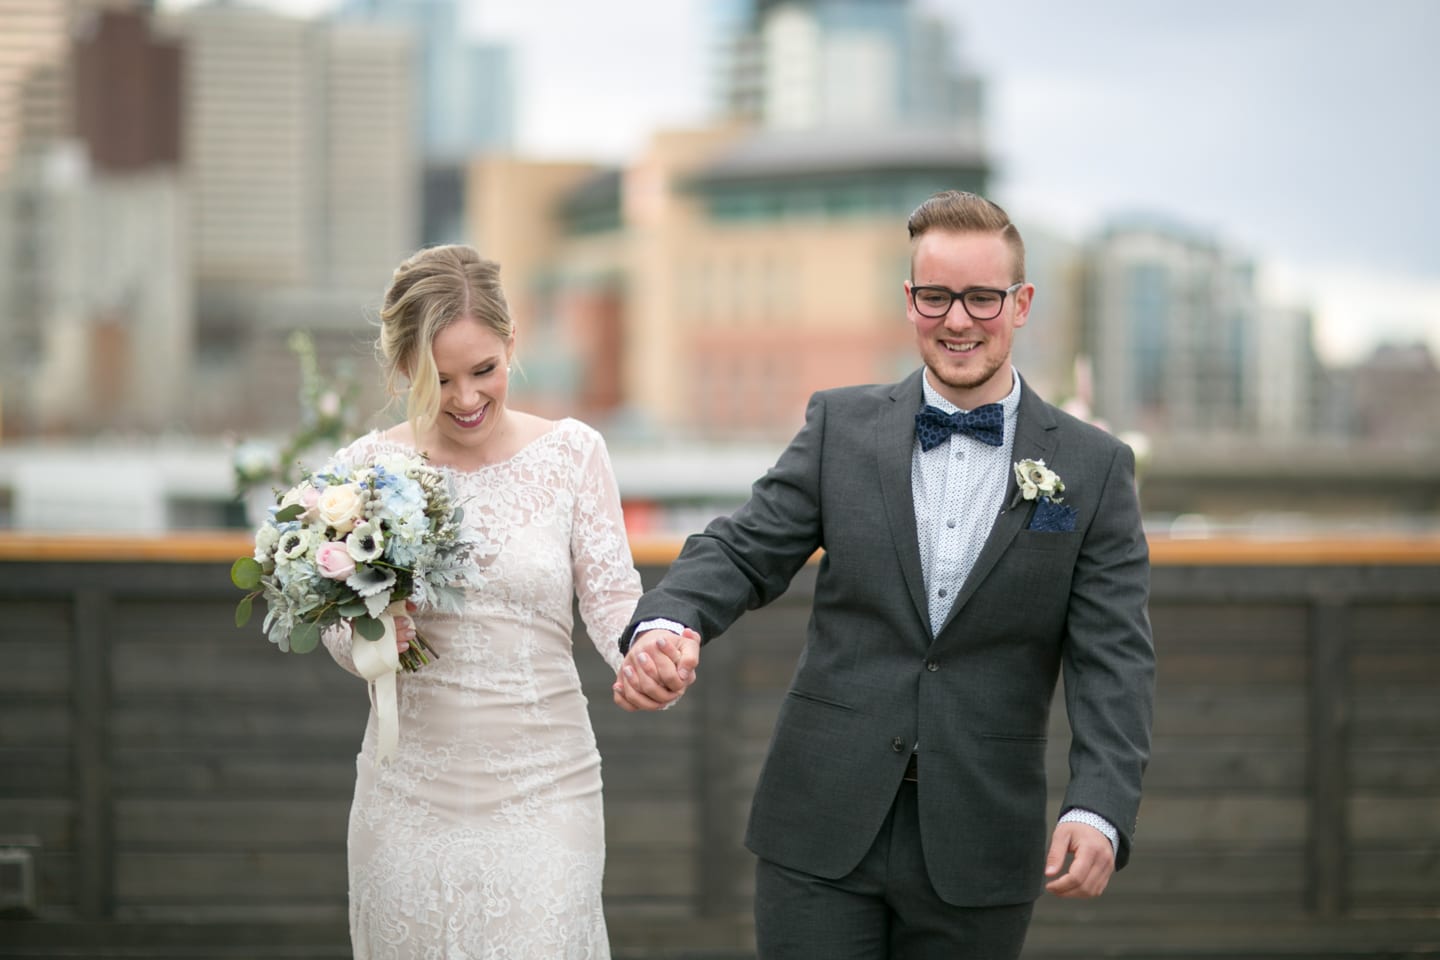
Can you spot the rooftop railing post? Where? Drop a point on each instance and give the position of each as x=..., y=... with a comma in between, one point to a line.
x=1329, y=721
x=90, y=756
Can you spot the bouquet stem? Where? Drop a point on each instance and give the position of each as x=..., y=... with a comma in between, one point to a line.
x=418, y=654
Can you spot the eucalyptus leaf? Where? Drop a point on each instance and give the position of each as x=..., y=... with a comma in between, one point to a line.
x=304, y=638
x=291, y=512
x=245, y=573
x=352, y=609
x=243, y=610
x=369, y=628
x=458, y=516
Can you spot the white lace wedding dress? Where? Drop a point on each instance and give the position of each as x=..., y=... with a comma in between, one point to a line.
x=483, y=837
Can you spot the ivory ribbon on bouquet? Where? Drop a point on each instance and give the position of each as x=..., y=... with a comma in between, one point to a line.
x=378, y=661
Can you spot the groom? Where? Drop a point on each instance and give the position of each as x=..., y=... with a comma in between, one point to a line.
x=976, y=542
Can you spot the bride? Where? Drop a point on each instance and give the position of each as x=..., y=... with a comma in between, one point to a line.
x=483, y=835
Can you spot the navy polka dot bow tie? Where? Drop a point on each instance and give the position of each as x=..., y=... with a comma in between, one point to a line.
x=934, y=426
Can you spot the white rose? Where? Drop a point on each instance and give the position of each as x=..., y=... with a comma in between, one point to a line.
x=341, y=506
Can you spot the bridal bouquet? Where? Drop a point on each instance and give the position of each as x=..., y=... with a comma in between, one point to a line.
x=355, y=544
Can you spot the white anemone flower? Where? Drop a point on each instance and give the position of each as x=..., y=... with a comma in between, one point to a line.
x=371, y=581
x=1035, y=478
x=294, y=544
x=373, y=584
x=366, y=542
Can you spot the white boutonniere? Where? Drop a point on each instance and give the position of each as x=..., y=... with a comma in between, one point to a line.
x=1036, y=479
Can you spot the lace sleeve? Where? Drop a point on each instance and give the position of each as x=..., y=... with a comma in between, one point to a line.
x=606, y=581
x=337, y=641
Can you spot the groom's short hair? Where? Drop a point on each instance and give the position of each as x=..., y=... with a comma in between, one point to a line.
x=955, y=211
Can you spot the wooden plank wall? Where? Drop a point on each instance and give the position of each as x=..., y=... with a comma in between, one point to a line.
x=189, y=785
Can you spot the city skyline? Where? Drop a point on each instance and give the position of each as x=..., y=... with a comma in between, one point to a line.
x=1227, y=118
x=1294, y=132
x=715, y=252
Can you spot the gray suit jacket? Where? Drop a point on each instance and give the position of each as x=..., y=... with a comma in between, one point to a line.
x=872, y=681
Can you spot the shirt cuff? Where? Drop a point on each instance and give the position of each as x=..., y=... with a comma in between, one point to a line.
x=660, y=623
x=1091, y=819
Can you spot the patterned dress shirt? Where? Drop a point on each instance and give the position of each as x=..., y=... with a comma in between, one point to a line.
x=959, y=488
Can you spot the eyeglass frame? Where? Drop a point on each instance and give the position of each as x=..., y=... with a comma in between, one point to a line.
x=961, y=295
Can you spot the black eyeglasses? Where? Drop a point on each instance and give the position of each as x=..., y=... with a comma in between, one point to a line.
x=981, y=303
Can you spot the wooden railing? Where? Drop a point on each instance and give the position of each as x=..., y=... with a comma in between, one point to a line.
x=181, y=787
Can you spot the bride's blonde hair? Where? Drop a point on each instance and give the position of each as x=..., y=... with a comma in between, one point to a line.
x=429, y=291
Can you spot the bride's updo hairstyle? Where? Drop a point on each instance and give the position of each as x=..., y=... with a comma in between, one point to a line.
x=429, y=291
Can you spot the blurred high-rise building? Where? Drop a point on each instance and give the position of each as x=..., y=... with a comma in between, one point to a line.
x=94, y=283
x=1287, y=374
x=303, y=174
x=34, y=75
x=715, y=282
x=1390, y=397
x=1046, y=349
x=464, y=101
x=806, y=64
x=296, y=147
x=464, y=95
x=711, y=286
x=1172, y=325
x=253, y=136
x=371, y=211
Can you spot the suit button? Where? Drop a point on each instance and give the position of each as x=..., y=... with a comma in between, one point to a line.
x=898, y=745
x=932, y=666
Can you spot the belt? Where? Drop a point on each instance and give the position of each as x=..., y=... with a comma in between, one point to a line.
x=912, y=769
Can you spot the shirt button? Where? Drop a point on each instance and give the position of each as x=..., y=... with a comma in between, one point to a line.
x=959, y=454
x=950, y=524
x=932, y=666
x=941, y=592
x=898, y=745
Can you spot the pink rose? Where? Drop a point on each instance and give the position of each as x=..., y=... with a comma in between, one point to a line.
x=310, y=500
x=307, y=497
x=334, y=560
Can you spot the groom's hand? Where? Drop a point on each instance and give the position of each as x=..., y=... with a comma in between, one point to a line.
x=1092, y=861
x=658, y=669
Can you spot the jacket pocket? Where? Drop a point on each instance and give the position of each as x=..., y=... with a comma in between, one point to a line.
x=815, y=698
x=1014, y=738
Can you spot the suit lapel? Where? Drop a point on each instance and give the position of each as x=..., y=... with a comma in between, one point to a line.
x=894, y=444
x=1034, y=440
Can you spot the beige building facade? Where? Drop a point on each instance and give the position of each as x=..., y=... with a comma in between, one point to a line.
x=709, y=288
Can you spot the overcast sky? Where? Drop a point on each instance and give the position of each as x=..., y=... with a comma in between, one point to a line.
x=1302, y=133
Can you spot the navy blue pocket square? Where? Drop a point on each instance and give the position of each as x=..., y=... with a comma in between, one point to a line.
x=1052, y=517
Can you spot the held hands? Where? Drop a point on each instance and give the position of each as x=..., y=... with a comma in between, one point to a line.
x=658, y=669
x=1091, y=865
